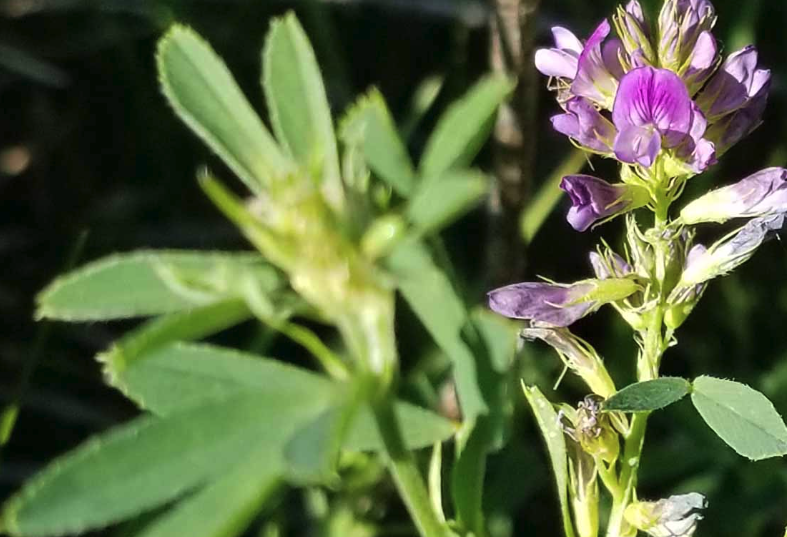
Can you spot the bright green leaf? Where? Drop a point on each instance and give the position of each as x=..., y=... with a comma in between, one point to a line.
x=547, y=421
x=298, y=105
x=462, y=130
x=151, y=461
x=369, y=124
x=147, y=283
x=648, y=395
x=204, y=94
x=438, y=203
x=434, y=301
x=743, y=417
x=225, y=507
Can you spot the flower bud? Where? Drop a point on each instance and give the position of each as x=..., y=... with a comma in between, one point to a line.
x=633, y=31
x=764, y=192
x=583, y=490
x=593, y=199
x=383, y=236
x=676, y=516
x=640, y=250
x=680, y=304
x=680, y=24
x=609, y=265
x=577, y=354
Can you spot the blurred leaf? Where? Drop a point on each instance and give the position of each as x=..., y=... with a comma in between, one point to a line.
x=24, y=63
x=461, y=131
x=423, y=98
x=499, y=336
x=438, y=203
x=185, y=375
x=151, y=461
x=298, y=106
x=648, y=395
x=204, y=94
x=147, y=283
x=433, y=299
x=225, y=507
x=369, y=123
x=743, y=417
x=548, y=423
x=549, y=194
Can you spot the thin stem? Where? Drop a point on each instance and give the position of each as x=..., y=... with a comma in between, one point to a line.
x=405, y=472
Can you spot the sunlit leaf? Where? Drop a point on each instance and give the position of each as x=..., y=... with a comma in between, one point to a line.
x=204, y=94
x=648, y=395
x=297, y=103
x=147, y=283
x=743, y=417
x=462, y=130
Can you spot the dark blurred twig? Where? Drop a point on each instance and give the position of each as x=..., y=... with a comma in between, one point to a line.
x=511, y=49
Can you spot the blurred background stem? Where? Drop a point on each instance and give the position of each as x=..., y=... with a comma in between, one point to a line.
x=512, y=37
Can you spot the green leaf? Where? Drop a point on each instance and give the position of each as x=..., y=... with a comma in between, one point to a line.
x=547, y=421
x=438, y=203
x=151, y=461
x=434, y=301
x=225, y=507
x=369, y=124
x=298, y=105
x=204, y=94
x=648, y=395
x=743, y=417
x=148, y=283
x=185, y=375
x=462, y=130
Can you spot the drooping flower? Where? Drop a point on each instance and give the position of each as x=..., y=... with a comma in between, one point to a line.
x=556, y=304
x=593, y=199
x=681, y=22
x=734, y=85
x=730, y=252
x=652, y=111
x=586, y=125
x=762, y=193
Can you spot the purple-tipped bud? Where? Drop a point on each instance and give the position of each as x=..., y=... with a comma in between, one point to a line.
x=586, y=125
x=562, y=60
x=609, y=265
x=680, y=24
x=598, y=68
x=683, y=299
x=634, y=33
x=593, y=199
x=732, y=128
x=760, y=194
x=730, y=252
x=652, y=110
x=555, y=304
x=734, y=85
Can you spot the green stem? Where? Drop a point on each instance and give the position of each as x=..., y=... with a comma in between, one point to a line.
x=405, y=472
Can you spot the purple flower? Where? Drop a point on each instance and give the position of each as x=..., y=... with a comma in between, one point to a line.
x=598, y=68
x=652, y=110
x=697, y=152
x=609, y=265
x=680, y=24
x=593, y=199
x=702, y=62
x=561, y=61
x=733, y=127
x=735, y=84
x=730, y=252
x=760, y=194
x=586, y=125
x=552, y=304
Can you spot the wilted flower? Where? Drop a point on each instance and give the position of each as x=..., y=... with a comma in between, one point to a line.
x=652, y=111
x=558, y=304
x=764, y=192
x=676, y=516
x=730, y=252
x=593, y=199
x=577, y=355
x=586, y=125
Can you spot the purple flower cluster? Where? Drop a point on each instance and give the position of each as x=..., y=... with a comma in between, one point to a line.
x=643, y=98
